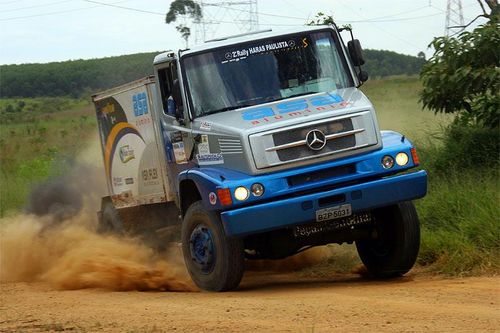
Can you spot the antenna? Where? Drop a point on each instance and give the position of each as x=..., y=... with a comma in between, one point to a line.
x=454, y=17
x=227, y=15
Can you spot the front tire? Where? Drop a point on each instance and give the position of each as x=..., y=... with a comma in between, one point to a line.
x=394, y=251
x=214, y=261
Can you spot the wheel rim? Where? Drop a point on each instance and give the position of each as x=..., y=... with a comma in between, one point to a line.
x=202, y=249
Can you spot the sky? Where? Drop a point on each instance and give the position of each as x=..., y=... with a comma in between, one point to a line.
x=56, y=30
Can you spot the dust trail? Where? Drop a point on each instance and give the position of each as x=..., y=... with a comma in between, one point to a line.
x=311, y=257
x=72, y=256
x=55, y=241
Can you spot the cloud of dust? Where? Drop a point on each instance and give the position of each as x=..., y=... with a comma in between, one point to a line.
x=311, y=257
x=55, y=241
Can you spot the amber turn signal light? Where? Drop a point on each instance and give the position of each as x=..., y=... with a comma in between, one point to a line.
x=414, y=156
x=224, y=195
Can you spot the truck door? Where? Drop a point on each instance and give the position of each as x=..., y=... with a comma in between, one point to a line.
x=175, y=127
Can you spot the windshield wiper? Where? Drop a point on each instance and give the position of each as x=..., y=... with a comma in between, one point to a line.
x=297, y=95
x=302, y=94
x=227, y=108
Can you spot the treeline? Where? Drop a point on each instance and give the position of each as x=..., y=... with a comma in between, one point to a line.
x=74, y=78
x=381, y=63
x=79, y=78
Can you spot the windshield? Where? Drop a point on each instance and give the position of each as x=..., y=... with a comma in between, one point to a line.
x=264, y=71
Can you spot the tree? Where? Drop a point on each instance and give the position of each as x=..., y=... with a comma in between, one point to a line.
x=322, y=19
x=184, y=9
x=185, y=33
x=463, y=75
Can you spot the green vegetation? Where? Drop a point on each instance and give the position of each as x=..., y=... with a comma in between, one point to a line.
x=381, y=63
x=395, y=100
x=75, y=78
x=461, y=232
x=184, y=10
x=460, y=214
x=462, y=77
x=39, y=141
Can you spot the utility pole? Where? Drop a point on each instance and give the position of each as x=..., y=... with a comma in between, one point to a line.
x=454, y=17
x=227, y=15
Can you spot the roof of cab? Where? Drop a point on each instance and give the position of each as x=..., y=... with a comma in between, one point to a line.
x=236, y=39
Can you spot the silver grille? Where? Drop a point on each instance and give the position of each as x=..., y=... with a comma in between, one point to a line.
x=291, y=145
x=341, y=135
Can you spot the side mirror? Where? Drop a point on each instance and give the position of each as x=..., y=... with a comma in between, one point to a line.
x=176, y=95
x=363, y=76
x=356, y=52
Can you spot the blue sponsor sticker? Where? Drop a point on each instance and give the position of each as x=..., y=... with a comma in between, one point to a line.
x=292, y=107
x=140, y=103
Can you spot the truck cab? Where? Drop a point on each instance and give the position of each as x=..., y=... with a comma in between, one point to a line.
x=268, y=147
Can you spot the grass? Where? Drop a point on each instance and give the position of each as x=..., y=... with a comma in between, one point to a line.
x=37, y=142
x=396, y=103
x=459, y=216
x=460, y=223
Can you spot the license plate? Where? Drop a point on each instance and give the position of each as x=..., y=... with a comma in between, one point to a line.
x=333, y=213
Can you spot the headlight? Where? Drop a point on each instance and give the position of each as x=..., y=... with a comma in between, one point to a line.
x=241, y=193
x=257, y=189
x=387, y=162
x=402, y=159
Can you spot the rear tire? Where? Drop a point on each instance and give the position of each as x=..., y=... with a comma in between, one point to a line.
x=394, y=251
x=110, y=220
x=214, y=261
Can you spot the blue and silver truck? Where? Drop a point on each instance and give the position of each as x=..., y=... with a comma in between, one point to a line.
x=260, y=146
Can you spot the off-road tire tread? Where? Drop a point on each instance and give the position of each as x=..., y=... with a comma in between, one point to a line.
x=404, y=220
x=230, y=273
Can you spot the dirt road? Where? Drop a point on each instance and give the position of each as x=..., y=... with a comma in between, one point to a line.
x=265, y=302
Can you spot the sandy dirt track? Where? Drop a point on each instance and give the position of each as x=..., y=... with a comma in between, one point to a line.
x=264, y=303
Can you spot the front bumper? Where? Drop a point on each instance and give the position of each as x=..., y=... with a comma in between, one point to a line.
x=299, y=210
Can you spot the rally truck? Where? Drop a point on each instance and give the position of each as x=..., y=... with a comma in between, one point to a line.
x=260, y=146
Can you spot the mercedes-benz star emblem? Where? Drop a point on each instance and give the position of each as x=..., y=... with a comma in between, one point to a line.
x=315, y=139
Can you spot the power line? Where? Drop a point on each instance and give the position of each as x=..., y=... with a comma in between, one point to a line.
x=381, y=29
x=57, y=12
x=402, y=13
x=35, y=6
x=7, y=2
x=126, y=8
x=368, y=20
x=381, y=19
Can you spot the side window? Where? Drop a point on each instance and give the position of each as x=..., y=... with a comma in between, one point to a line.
x=167, y=76
x=165, y=86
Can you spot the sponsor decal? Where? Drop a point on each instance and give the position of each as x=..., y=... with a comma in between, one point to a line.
x=108, y=108
x=210, y=159
x=240, y=54
x=203, y=146
x=126, y=154
x=179, y=152
x=149, y=174
x=212, y=197
x=140, y=103
x=117, y=181
x=206, y=126
x=143, y=121
x=291, y=109
x=204, y=156
x=129, y=181
x=150, y=177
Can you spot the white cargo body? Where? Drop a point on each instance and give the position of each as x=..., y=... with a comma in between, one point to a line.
x=132, y=153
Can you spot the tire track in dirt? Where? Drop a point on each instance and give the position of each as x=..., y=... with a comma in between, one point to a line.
x=266, y=301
